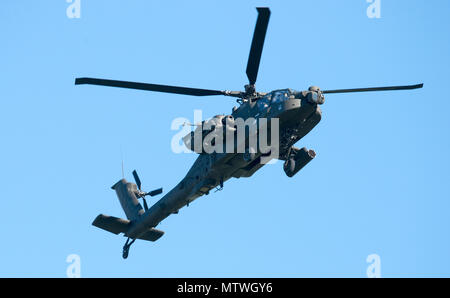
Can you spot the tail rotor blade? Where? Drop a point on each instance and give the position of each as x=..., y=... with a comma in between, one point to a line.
x=136, y=178
x=256, y=49
x=145, y=204
x=393, y=88
x=155, y=192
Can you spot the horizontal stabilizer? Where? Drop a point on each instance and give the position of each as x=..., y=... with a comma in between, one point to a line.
x=151, y=235
x=117, y=225
x=111, y=224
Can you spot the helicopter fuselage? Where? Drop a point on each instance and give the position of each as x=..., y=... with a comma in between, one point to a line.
x=298, y=113
x=286, y=117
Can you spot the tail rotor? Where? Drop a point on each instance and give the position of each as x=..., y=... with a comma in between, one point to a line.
x=143, y=194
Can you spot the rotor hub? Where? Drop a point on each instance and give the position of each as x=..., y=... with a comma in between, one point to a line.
x=250, y=90
x=315, y=95
x=314, y=88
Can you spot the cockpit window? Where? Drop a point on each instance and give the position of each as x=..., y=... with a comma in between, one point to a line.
x=264, y=103
x=279, y=97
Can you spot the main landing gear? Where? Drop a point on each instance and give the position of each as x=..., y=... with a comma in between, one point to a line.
x=126, y=248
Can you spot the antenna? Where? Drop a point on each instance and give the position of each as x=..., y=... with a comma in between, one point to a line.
x=121, y=157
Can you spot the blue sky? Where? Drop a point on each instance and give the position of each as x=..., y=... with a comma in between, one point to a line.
x=379, y=184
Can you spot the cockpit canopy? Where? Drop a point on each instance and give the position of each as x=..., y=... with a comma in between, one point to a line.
x=274, y=97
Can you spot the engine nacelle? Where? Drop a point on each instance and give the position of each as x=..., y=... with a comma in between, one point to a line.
x=220, y=124
x=297, y=160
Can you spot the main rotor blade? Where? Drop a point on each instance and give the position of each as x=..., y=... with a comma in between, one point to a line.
x=257, y=43
x=393, y=88
x=136, y=178
x=150, y=87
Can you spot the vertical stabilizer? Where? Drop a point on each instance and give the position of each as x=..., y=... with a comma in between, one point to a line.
x=127, y=196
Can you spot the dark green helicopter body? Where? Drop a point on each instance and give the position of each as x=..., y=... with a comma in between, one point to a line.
x=297, y=112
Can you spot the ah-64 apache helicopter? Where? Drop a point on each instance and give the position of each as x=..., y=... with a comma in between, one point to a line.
x=298, y=113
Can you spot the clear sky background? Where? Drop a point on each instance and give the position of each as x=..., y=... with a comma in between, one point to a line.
x=379, y=185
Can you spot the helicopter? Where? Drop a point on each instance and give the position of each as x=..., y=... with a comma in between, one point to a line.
x=296, y=114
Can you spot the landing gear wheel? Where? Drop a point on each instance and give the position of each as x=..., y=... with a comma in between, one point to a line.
x=125, y=252
x=126, y=248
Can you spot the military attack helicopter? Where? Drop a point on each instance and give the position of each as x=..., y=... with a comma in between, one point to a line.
x=297, y=112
